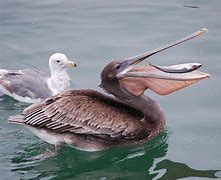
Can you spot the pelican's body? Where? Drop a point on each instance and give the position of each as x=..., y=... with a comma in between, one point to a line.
x=90, y=120
x=30, y=85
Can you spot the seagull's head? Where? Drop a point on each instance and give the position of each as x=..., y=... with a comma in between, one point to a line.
x=59, y=62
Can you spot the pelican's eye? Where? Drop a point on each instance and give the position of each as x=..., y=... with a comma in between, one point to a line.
x=58, y=61
x=117, y=66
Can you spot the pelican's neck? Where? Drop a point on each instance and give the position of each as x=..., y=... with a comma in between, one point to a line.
x=151, y=109
x=59, y=81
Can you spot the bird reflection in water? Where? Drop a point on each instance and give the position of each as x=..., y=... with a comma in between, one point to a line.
x=127, y=162
x=124, y=162
x=176, y=170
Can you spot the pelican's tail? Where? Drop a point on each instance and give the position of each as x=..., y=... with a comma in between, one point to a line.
x=16, y=119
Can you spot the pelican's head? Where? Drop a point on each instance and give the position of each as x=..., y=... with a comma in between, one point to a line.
x=125, y=76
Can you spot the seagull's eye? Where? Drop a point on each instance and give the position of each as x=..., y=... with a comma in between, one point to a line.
x=58, y=61
x=117, y=66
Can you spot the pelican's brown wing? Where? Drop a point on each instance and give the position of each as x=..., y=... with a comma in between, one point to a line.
x=86, y=112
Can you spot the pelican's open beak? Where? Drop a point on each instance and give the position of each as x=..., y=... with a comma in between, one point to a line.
x=162, y=80
x=70, y=64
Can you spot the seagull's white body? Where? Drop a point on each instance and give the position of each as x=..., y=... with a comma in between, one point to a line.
x=59, y=83
x=31, y=85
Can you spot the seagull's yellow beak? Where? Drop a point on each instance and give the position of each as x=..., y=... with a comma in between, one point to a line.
x=70, y=64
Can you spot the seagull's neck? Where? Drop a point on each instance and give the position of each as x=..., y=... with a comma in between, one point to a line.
x=59, y=81
x=59, y=75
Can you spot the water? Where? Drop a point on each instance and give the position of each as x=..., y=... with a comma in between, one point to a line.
x=92, y=34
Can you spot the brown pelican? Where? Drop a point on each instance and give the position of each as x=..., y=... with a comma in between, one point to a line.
x=90, y=120
x=30, y=85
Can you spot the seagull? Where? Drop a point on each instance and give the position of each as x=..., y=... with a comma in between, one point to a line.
x=30, y=85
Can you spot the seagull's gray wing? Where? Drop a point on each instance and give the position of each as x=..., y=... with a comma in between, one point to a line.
x=25, y=83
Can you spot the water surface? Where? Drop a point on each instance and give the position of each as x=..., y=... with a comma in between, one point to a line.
x=92, y=34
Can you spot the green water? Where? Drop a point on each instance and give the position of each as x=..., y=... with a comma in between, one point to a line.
x=92, y=33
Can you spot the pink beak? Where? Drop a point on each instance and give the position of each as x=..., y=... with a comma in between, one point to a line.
x=162, y=80
x=139, y=78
